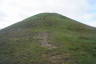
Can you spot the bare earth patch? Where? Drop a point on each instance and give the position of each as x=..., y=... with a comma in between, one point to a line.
x=43, y=39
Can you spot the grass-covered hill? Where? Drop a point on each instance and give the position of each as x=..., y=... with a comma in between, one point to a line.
x=48, y=38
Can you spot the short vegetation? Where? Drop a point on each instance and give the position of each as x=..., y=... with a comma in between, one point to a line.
x=48, y=38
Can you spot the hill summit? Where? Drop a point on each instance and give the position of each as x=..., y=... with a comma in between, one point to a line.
x=48, y=38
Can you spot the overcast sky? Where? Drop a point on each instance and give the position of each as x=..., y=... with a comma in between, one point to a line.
x=12, y=11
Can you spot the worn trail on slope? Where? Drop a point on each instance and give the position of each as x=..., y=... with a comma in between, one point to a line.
x=44, y=40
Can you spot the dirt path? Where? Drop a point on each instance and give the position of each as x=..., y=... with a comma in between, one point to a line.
x=44, y=40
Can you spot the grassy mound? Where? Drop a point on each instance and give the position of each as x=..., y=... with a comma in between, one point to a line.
x=48, y=38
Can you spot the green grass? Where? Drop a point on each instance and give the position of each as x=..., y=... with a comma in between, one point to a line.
x=75, y=42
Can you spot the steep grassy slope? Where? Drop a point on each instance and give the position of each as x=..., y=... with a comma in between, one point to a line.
x=48, y=38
